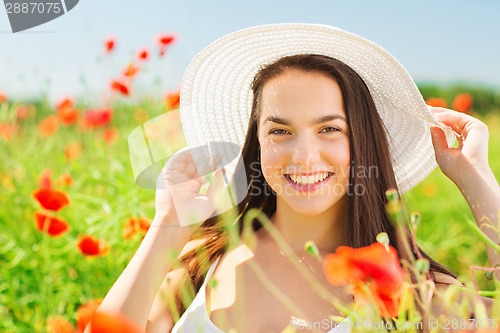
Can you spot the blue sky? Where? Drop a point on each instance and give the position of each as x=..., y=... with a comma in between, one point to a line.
x=441, y=41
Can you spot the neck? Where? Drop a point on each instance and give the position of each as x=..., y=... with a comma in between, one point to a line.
x=327, y=230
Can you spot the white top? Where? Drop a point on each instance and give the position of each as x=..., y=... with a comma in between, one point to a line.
x=196, y=319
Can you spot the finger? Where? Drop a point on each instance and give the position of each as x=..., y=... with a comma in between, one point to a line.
x=456, y=120
x=438, y=140
x=187, y=183
x=176, y=163
x=182, y=162
x=473, y=132
x=175, y=166
x=174, y=178
x=435, y=109
x=191, y=170
x=179, y=160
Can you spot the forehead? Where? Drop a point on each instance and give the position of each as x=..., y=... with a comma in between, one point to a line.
x=297, y=93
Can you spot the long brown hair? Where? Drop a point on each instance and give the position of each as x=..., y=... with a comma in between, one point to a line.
x=369, y=147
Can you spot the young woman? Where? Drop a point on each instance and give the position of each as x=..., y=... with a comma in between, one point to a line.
x=327, y=121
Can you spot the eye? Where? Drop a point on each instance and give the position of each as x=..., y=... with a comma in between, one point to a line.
x=278, y=131
x=330, y=129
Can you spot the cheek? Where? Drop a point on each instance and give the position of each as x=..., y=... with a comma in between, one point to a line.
x=274, y=157
x=344, y=162
x=272, y=162
x=339, y=156
x=345, y=157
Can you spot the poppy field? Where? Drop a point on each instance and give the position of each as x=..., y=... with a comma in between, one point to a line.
x=72, y=216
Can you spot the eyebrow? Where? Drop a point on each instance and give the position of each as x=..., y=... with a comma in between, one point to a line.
x=316, y=121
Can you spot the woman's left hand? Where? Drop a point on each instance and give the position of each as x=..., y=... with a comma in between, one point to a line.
x=472, y=150
x=467, y=166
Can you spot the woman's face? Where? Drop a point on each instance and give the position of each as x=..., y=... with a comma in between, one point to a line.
x=304, y=138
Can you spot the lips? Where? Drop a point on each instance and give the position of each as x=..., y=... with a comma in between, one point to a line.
x=308, y=182
x=308, y=179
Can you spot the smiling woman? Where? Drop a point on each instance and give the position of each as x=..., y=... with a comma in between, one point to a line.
x=318, y=104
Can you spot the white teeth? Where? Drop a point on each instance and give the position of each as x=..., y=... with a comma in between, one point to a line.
x=308, y=180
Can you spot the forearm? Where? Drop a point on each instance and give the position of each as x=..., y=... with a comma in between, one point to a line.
x=481, y=191
x=134, y=291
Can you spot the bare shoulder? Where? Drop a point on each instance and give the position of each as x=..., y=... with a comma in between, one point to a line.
x=443, y=280
x=192, y=244
x=161, y=318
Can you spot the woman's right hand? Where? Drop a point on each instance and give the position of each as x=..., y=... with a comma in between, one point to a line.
x=178, y=198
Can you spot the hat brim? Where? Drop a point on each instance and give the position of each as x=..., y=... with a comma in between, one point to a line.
x=216, y=95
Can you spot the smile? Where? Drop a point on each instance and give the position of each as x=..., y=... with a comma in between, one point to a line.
x=307, y=180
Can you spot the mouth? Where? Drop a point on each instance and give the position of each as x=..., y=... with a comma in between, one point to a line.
x=308, y=180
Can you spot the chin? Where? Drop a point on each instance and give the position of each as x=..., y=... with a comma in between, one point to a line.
x=314, y=206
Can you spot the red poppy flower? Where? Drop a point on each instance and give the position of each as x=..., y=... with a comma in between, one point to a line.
x=72, y=151
x=463, y=102
x=66, y=112
x=68, y=116
x=110, y=44
x=131, y=70
x=3, y=98
x=58, y=324
x=120, y=87
x=48, y=126
x=110, y=135
x=7, y=131
x=143, y=54
x=135, y=225
x=45, y=182
x=51, y=199
x=436, y=102
x=373, y=266
x=97, y=117
x=24, y=112
x=166, y=39
x=85, y=312
x=52, y=225
x=91, y=246
x=65, y=103
x=112, y=323
x=173, y=100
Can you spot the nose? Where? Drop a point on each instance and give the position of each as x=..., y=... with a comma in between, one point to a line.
x=306, y=153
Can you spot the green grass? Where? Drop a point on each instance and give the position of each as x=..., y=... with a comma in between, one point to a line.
x=486, y=99
x=42, y=276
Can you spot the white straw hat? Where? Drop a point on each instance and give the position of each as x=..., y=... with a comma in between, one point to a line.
x=216, y=96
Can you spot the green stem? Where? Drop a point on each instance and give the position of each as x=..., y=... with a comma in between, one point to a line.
x=474, y=227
